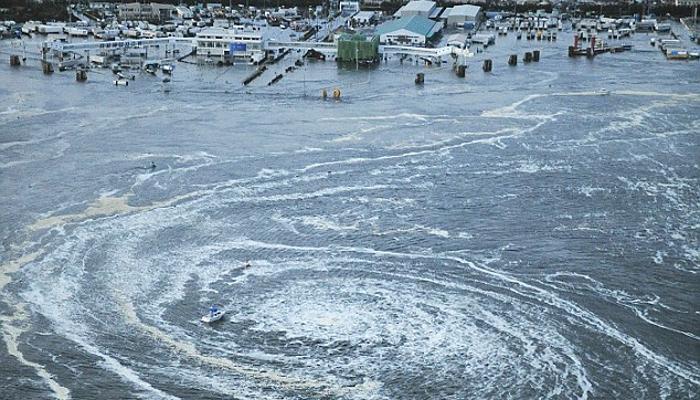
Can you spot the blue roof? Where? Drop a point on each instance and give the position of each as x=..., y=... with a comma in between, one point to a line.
x=416, y=24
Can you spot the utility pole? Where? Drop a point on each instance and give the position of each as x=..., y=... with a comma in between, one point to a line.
x=357, y=56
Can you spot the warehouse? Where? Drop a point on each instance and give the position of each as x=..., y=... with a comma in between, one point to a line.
x=417, y=7
x=411, y=31
x=458, y=15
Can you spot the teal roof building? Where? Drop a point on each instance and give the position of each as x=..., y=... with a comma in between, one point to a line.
x=414, y=30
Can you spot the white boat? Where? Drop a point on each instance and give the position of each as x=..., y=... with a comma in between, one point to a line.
x=603, y=92
x=167, y=68
x=126, y=77
x=214, y=315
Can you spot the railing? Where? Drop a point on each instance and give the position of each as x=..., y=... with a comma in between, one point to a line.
x=116, y=44
x=319, y=46
x=268, y=45
x=425, y=52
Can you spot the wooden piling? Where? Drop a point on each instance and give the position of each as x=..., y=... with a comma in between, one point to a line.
x=47, y=67
x=81, y=75
x=420, y=78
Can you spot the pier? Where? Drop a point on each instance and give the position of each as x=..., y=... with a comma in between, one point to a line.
x=60, y=46
x=323, y=47
x=268, y=45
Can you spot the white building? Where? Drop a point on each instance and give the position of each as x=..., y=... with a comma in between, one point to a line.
x=218, y=43
x=143, y=11
x=348, y=7
x=458, y=40
x=408, y=31
x=416, y=7
x=365, y=17
x=458, y=15
x=101, y=5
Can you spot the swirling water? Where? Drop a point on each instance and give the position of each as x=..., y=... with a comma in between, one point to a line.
x=514, y=235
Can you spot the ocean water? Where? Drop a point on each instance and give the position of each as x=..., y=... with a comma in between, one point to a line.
x=509, y=235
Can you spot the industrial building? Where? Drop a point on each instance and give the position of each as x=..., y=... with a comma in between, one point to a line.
x=416, y=30
x=422, y=8
x=458, y=15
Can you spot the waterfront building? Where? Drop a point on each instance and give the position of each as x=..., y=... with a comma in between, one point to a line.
x=412, y=31
x=227, y=44
x=458, y=15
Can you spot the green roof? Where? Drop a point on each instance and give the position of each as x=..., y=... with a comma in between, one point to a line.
x=416, y=24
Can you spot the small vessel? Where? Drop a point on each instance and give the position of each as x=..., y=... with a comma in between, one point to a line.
x=123, y=76
x=214, y=315
x=120, y=82
x=603, y=92
x=167, y=68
